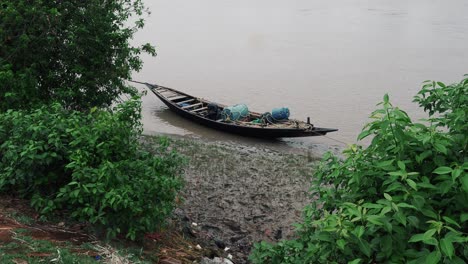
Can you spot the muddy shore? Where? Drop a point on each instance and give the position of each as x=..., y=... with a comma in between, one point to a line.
x=236, y=195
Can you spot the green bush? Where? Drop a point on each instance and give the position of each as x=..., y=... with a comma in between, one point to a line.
x=89, y=164
x=78, y=53
x=403, y=199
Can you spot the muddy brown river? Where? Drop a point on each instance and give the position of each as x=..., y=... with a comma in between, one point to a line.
x=331, y=60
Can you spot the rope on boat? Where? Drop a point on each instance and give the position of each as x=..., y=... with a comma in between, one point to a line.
x=145, y=83
x=339, y=141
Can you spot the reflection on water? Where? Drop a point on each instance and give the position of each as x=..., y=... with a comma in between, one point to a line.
x=330, y=60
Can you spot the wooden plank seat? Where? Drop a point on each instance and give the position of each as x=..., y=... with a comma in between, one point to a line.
x=166, y=91
x=191, y=106
x=186, y=101
x=161, y=89
x=199, y=109
x=172, y=94
x=173, y=98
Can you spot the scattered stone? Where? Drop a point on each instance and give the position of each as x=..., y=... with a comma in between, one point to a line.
x=188, y=231
x=278, y=234
x=216, y=261
x=220, y=243
x=198, y=247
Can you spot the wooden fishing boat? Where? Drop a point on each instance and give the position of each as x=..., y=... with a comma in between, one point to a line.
x=196, y=109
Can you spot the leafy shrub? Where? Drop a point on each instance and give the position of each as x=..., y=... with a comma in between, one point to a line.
x=403, y=199
x=53, y=51
x=90, y=164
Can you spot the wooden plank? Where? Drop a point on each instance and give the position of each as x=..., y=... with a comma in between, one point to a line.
x=190, y=106
x=186, y=101
x=169, y=95
x=199, y=109
x=160, y=89
x=173, y=98
x=167, y=91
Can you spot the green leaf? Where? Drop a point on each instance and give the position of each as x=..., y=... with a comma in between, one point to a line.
x=433, y=258
x=447, y=247
x=423, y=156
x=416, y=238
x=341, y=244
x=443, y=170
x=363, y=134
x=396, y=173
x=375, y=219
x=385, y=163
x=464, y=182
x=441, y=148
x=427, y=185
x=385, y=98
x=429, y=213
x=413, y=221
x=412, y=184
x=364, y=247
x=441, y=84
x=405, y=205
x=451, y=221
x=359, y=231
x=430, y=241
x=456, y=173
x=463, y=217
x=445, y=186
x=387, y=196
x=372, y=206
x=387, y=245
x=429, y=233
x=385, y=210
x=356, y=261
x=324, y=236
x=400, y=217
x=394, y=186
x=457, y=260
x=401, y=165
x=419, y=202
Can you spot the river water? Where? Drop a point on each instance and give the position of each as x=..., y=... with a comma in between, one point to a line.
x=332, y=60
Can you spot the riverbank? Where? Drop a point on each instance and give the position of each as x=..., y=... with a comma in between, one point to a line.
x=236, y=195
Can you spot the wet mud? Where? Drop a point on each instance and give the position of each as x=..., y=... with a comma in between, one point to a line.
x=236, y=195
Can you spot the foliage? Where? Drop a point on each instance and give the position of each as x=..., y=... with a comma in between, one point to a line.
x=403, y=199
x=90, y=164
x=73, y=52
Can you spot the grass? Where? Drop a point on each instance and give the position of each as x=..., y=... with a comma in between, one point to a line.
x=25, y=249
x=24, y=240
